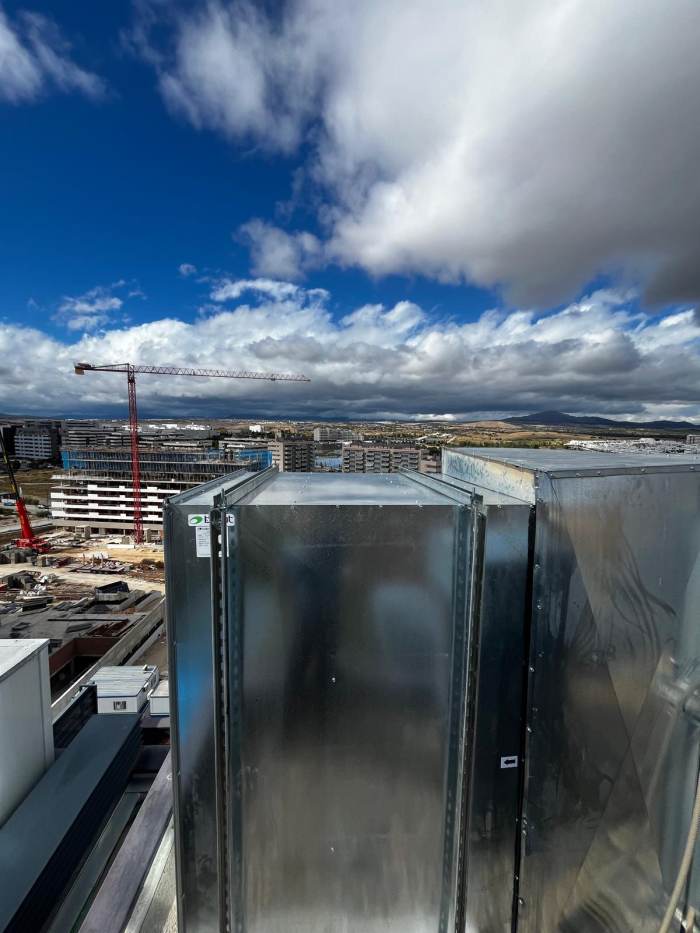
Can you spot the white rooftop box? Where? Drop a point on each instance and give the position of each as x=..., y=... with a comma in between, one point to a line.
x=159, y=700
x=124, y=689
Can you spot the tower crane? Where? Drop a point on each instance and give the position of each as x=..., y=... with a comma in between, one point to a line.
x=27, y=538
x=131, y=370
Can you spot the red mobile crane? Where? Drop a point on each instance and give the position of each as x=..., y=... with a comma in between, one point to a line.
x=130, y=369
x=27, y=538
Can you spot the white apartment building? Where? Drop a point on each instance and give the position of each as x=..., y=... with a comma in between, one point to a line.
x=97, y=492
x=38, y=442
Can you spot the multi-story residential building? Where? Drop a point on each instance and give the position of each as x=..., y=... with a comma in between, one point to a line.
x=76, y=434
x=292, y=456
x=357, y=459
x=36, y=442
x=693, y=439
x=96, y=491
x=430, y=463
x=329, y=434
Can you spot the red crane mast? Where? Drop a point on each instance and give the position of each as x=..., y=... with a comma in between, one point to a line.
x=131, y=369
x=27, y=537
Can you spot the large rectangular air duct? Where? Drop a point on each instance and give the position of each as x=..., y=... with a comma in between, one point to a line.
x=461, y=704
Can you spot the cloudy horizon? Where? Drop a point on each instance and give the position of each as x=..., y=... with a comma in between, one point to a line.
x=433, y=211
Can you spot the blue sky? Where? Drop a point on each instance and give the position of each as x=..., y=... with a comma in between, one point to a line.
x=484, y=222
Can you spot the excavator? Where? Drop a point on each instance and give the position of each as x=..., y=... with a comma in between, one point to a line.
x=27, y=538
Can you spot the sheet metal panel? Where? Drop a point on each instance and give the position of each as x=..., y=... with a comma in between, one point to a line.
x=611, y=757
x=193, y=708
x=347, y=691
x=500, y=656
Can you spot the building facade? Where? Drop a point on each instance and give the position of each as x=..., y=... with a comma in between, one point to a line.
x=79, y=434
x=358, y=459
x=325, y=435
x=292, y=456
x=36, y=442
x=97, y=492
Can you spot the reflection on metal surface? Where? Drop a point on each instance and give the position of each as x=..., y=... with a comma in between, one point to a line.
x=612, y=741
x=500, y=595
x=192, y=714
x=362, y=683
x=346, y=627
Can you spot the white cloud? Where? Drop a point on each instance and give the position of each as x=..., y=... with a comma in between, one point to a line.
x=230, y=289
x=186, y=269
x=272, y=289
x=35, y=57
x=521, y=143
x=95, y=308
x=599, y=355
x=278, y=254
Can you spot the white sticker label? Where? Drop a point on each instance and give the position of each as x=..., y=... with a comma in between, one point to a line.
x=194, y=520
x=202, y=537
x=230, y=519
x=510, y=761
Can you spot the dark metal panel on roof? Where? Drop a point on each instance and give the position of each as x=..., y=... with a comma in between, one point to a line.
x=45, y=838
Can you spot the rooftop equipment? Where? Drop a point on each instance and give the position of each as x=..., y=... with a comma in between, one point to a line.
x=43, y=842
x=325, y=736
x=131, y=369
x=159, y=699
x=124, y=688
x=469, y=702
x=26, y=733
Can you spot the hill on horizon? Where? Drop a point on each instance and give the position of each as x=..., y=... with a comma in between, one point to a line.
x=555, y=418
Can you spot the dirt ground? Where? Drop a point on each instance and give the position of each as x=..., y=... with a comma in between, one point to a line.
x=35, y=484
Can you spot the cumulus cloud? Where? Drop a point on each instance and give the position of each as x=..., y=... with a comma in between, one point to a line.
x=35, y=57
x=94, y=308
x=231, y=289
x=523, y=143
x=598, y=355
x=186, y=269
x=279, y=254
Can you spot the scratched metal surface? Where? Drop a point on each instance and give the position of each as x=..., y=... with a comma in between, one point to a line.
x=341, y=664
x=612, y=759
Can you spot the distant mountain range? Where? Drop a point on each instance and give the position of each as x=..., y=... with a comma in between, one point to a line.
x=561, y=418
